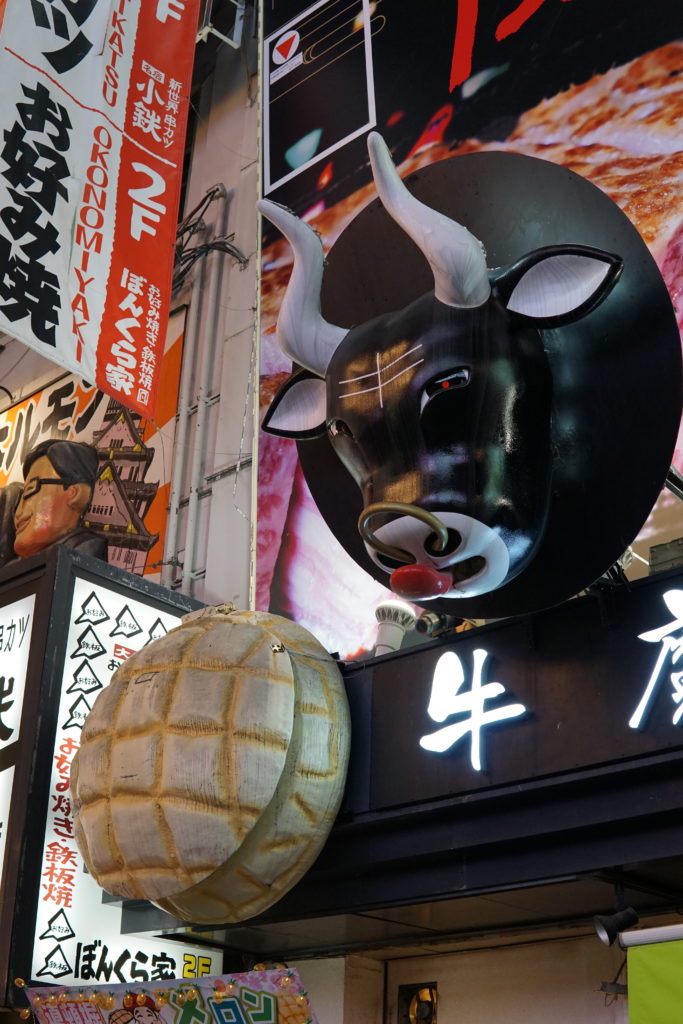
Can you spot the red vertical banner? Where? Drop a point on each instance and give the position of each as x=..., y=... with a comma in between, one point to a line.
x=132, y=334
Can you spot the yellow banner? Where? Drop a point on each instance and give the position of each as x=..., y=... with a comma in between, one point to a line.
x=655, y=983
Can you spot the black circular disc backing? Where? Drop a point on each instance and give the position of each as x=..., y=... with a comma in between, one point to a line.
x=616, y=372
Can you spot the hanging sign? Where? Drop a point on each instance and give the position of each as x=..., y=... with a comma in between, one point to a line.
x=314, y=56
x=16, y=622
x=77, y=936
x=255, y=997
x=94, y=98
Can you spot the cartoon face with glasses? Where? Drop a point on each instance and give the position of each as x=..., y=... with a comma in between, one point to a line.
x=58, y=481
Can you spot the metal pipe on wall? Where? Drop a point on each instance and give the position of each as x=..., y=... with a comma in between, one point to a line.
x=180, y=453
x=203, y=399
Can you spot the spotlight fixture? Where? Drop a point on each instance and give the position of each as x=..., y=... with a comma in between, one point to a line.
x=609, y=926
x=435, y=624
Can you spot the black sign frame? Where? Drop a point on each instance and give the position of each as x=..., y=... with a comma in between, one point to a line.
x=51, y=576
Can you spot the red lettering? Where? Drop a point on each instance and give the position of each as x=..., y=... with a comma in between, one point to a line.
x=94, y=172
x=97, y=155
x=461, y=65
x=91, y=217
x=80, y=305
x=465, y=32
x=80, y=340
x=92, y=241
x=82, y=282
x=116, y=42
x=95, y=197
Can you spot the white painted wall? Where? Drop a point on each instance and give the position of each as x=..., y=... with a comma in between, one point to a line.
x=344, y=990
x=324, y=982
x=534, y=983
x=226, y=152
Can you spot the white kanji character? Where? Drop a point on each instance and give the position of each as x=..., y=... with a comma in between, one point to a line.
x=134, y=283
x=119, y=379
x=150, y=94
x=154, y=73
x=169, y=9
x=148, y=120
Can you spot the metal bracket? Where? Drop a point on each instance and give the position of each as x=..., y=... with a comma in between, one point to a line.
x=208, y=29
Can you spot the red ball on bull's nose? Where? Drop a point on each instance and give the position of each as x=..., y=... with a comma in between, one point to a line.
x=420, y=582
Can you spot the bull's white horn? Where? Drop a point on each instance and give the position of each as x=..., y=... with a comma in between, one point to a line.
x=456, y=257
x=302, y=333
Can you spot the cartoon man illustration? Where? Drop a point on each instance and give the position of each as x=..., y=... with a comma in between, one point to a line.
x=147, y=1013
x=121, y=1016
x=59, y=477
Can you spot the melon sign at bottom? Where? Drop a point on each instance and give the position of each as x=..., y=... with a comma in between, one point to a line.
x=255, y=997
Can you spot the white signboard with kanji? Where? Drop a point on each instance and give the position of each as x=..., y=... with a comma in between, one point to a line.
x=16, y=621
x=78, y=937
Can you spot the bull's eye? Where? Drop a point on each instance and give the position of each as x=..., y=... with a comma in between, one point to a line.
x=338, y=428
x=457, y=378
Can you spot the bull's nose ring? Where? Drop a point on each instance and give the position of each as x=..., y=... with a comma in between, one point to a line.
x=401, y=508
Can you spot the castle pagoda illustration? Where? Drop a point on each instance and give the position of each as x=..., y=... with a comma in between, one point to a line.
x=122, y=496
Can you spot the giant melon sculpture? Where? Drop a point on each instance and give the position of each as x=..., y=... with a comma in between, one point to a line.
x=212, y=767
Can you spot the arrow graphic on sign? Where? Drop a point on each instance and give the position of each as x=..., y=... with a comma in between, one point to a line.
x=286, y=47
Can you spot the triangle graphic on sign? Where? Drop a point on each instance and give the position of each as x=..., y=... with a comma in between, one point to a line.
x=85, y=679
x=56, y=964
x=285, y=46
x=89, y=645
x=58, y=927
x=92, y=610
x=126, y=623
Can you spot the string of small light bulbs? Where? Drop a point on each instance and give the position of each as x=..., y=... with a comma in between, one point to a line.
x=107, y=1001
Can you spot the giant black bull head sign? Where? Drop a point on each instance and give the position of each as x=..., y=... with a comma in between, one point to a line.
x=483, y=422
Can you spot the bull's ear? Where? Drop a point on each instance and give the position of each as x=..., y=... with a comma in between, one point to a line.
x=299, y=408
x=558, y=284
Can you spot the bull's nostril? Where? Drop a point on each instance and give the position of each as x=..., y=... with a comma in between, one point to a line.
x=433, y=547
x=393, y=563
x=465, y=570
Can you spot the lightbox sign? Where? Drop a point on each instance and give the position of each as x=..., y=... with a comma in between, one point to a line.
x=16, y=624
x=669, y=637
x=77, y=936
x=479, y=706
x=448, y=699
x=252, y=997
x=522, y=699
x=94, y=98
x=312, y=56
